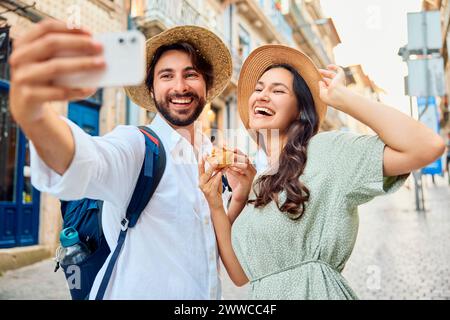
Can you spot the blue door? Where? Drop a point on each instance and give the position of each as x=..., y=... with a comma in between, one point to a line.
x=85, y=116
x=19, y=201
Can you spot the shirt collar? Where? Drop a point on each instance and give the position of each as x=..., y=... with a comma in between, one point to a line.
x=171, y=138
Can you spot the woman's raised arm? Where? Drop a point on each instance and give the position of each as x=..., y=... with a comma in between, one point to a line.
x=410, y=144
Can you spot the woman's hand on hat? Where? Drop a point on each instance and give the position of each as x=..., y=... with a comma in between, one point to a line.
x=332, y=85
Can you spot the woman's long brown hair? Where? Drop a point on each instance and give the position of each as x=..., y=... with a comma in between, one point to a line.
x=293, y=156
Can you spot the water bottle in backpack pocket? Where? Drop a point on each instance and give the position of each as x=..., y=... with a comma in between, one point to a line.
x=83, y=247
x=72, y=250
x=73, y=255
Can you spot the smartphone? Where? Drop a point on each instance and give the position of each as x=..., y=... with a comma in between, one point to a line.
x=125, y=58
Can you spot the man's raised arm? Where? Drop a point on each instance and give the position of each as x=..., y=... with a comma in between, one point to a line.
x=34, y=65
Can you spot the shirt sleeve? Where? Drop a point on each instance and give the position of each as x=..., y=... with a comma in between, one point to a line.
x=104, y=168
x=358, y=166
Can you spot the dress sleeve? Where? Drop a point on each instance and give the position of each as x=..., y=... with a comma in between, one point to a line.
x=358, y=166
x=104, y=168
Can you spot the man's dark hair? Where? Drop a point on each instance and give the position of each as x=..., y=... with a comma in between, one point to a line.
x=199, y=63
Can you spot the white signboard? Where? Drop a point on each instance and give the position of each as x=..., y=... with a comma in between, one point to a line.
x=424, y=27
x=422, y=83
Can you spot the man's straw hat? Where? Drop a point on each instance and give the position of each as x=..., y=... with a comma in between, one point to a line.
x=205, y=42
x=265, y=56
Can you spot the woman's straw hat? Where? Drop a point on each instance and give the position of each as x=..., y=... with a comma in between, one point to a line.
x=205, y=42
x=265, y=56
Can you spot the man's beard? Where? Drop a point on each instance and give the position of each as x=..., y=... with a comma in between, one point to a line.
x=174, y=118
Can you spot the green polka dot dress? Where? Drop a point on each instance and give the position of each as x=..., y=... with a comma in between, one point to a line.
x=304, y=258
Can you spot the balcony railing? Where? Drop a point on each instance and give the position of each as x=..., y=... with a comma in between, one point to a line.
x=277, y=20
x=311, y=36
x=181, y=12
x=276, y=17
x=174, y=13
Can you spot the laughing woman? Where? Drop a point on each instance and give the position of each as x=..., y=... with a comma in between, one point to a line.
x=295, y=229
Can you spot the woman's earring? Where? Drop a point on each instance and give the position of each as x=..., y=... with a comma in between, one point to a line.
x=303, y=118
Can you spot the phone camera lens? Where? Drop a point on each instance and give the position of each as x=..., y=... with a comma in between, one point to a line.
x=133, y=40
x=121, y=40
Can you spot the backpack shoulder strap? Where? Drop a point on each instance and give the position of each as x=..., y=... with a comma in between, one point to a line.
x=150, y=175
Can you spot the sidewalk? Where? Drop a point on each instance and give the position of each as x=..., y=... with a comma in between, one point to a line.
x=399, y=254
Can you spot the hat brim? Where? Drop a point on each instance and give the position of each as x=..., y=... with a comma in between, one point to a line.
x=265, y=56
x=209, y=45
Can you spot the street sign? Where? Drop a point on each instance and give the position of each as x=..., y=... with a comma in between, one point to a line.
x=430, y=118
x=422, y=83
x=424, y=31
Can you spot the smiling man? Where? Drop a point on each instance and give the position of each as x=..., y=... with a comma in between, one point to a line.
x=179, y=99
x=171, y=253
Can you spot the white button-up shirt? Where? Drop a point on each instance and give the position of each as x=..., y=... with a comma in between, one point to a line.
x=171, y=252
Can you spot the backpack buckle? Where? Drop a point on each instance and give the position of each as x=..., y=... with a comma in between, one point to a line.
x=124, y=224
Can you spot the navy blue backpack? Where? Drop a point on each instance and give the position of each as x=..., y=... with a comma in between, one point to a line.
x=85, y=216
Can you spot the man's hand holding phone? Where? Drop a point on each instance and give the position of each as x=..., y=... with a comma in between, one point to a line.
x=35, y=64
x=52, y=62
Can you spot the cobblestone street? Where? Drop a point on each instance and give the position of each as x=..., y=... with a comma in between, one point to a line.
x=399, y=254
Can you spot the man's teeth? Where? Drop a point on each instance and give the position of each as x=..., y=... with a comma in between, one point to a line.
x=182, y=101
x=264, y=111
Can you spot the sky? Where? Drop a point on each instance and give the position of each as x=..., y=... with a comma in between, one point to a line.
x=372, y=31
